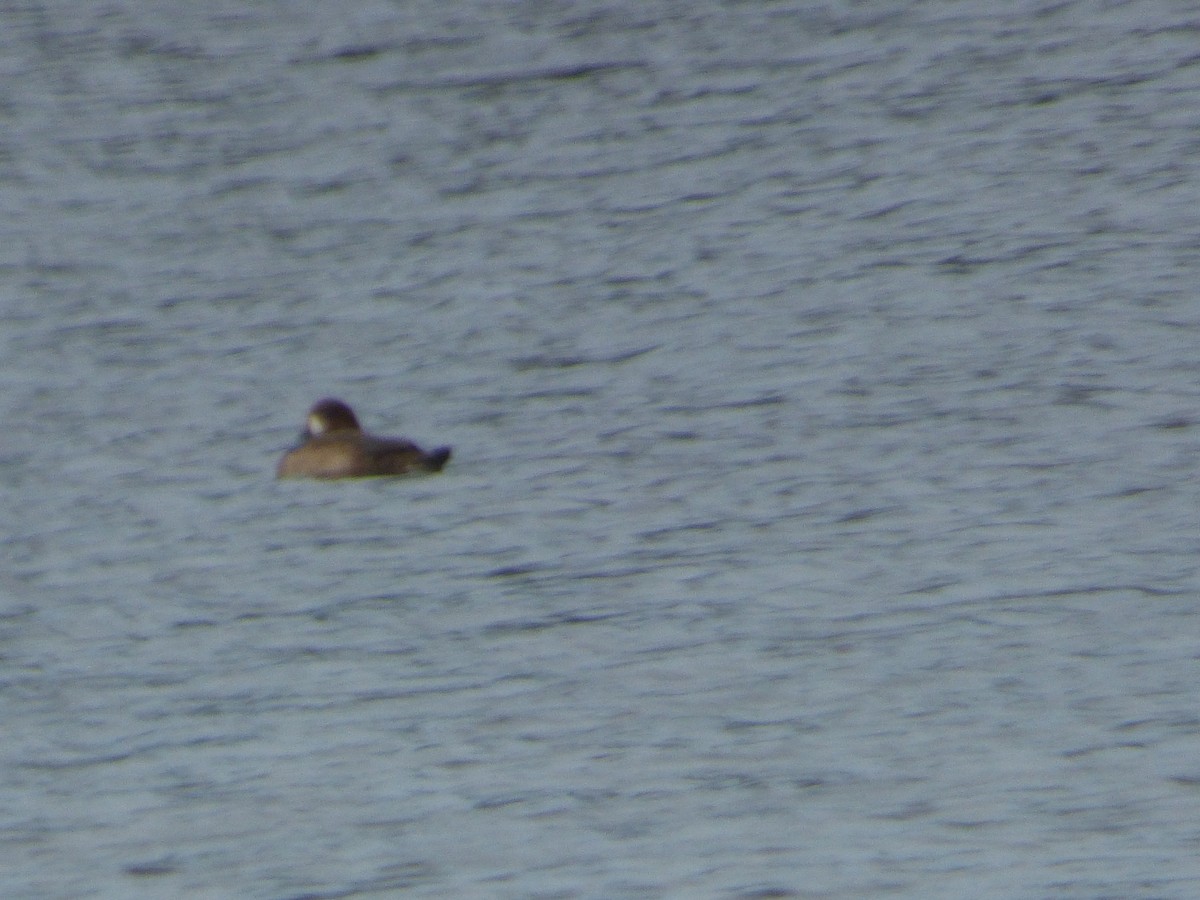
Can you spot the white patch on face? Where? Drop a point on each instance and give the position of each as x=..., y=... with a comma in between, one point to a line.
x=316, y=425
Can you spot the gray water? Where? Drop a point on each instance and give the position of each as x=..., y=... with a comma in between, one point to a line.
x=825, y=395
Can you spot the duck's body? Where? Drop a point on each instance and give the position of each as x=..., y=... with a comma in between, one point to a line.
x=335, y=446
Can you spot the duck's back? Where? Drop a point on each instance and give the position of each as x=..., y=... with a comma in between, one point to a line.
x=345, y=454
x=394, y=456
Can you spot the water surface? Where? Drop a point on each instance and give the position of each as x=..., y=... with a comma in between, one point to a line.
x=825, y=401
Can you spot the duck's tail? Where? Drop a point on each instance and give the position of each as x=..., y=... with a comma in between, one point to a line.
x=435, y=459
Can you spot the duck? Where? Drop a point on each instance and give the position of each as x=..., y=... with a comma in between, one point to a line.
x=333, y=445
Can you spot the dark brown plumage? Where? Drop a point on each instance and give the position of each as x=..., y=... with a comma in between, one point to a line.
x=335, y=446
